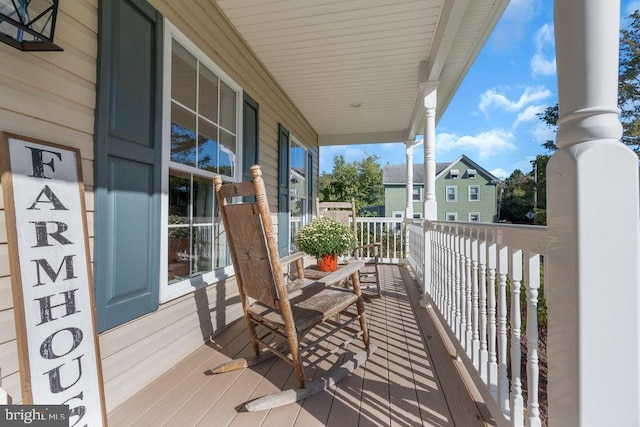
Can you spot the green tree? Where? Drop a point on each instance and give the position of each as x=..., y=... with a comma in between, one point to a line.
x=513, y=198
x=628, y=88
x=522, y=193
x=360, y=179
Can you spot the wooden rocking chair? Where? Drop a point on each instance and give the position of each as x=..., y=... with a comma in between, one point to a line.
x=280, y=309
x=370, y=273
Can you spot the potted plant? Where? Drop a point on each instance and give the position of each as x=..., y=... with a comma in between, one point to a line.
x=326, y=238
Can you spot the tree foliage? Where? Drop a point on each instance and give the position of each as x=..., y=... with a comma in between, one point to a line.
x=522, y=193
x=360, y=179
x=628, y=88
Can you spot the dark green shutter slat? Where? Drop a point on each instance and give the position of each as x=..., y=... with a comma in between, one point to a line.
x=250, y=136
x=310, y=181
x=283, y=190
x=127, y=161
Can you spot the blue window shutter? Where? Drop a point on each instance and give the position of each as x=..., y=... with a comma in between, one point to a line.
x=310, y=182
x=250, y=135
x=127, y=161
x=283, y=190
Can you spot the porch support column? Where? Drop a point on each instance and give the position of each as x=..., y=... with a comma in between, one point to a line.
x=592, y=271
x=408, y=211
x=430, y=205
x=430, y=209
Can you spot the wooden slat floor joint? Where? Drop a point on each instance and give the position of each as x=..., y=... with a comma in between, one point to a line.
x=411, y=379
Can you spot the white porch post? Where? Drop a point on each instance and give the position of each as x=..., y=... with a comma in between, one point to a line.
x=430, y=209
x=592, y=272
x=430, y=205
x=408, y=212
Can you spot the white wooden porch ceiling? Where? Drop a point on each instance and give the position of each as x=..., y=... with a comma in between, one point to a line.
x=328, y=54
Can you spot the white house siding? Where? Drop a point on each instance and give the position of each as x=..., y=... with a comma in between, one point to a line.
x=51, y=96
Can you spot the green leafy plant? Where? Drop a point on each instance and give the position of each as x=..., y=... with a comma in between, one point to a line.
x=324, y=236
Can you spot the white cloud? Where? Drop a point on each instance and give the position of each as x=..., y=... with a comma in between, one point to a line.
x=529, y=114
x=486, y=144
x=492, y=98
x=500, y=173
x=543, y=133
x=543, y=62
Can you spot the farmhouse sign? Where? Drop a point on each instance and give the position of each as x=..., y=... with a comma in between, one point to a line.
x=51, y=277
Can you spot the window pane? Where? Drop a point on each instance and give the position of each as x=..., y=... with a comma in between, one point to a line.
x=202, y=200
x=207, y=146
x=474, y=193
x=298, y=171
x=183, y=76
x=179, y=213
x=183, y=136
x=227, y=107
x=201, y=249
x=221, y=252
x=227, y=154
x=451, y=193
x=208, y=97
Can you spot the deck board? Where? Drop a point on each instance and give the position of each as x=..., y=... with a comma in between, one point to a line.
x=411, y=379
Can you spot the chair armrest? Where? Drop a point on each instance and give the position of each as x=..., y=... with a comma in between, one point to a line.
x=342, y=273
x=292, y=257
x=297, y=258
x=376, y=246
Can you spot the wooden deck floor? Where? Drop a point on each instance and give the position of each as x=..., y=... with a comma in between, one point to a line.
x=411, y=379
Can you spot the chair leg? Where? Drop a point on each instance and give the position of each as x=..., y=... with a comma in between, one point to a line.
x=355, y=281
x=294, y=350
x=253, y=337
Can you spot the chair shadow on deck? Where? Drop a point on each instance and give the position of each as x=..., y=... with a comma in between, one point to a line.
x=409, y=380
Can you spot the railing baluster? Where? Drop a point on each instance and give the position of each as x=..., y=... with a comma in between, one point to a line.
x=532, y=274
x=491, y=287
x=467, y=289
x=515, y=267
x=460, y=318
x=503, y=384
x=450, y=281
x=475, y=309
x=484, y=356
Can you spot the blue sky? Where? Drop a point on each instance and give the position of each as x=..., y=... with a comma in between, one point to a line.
x=492, y=118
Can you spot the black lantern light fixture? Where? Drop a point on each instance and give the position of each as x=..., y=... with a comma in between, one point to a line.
x=29, y=25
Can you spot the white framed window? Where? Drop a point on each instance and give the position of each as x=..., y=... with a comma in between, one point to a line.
x=452, y=193
x=202, y=125
x=474, y=193
x=397, y=214
x=451, y=216
x=298, y=188
x=474, y=216
x=417, y=194
x=454, y=174
x=472, y=173
x=417, y=216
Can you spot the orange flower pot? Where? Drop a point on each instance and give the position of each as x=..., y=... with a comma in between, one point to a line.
x=328, y=262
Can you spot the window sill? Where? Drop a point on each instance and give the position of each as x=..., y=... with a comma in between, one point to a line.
x=175, y=290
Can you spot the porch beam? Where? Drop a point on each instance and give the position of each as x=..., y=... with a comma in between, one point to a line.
x=592, y=214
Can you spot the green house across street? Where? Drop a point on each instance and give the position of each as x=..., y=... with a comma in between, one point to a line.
x=465, y=191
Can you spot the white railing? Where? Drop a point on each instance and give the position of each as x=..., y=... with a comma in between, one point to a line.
x=389, y=232
x=415, y=251
x=476, y=274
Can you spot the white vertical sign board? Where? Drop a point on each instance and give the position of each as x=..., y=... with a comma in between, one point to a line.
x=51, y=277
